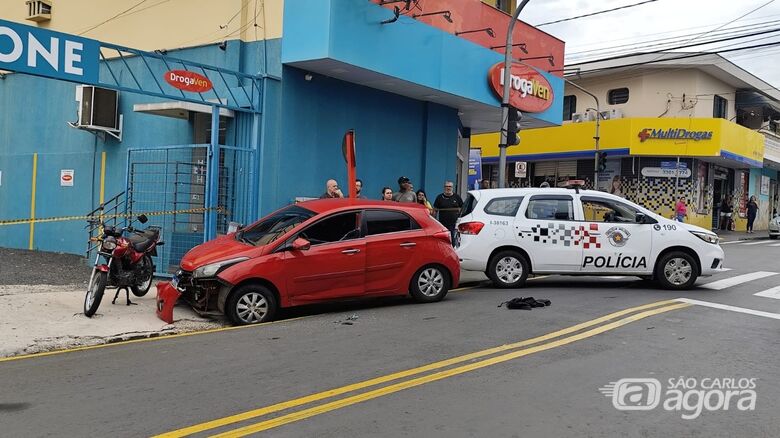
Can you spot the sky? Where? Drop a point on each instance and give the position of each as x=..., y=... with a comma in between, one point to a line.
x=684, y=19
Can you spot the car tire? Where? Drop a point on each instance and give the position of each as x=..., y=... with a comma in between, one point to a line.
x=430, y=284
x=677, y=270
x=508, y=269
x=773, y=237
x=251, y=304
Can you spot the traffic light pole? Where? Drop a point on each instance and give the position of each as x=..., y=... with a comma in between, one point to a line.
x=597, y=137
x=505, y=98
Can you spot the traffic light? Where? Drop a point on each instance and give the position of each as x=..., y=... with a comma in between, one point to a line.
x=513, y=127
x=602, y=162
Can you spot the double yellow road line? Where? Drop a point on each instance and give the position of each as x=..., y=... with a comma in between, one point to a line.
x=420, y=375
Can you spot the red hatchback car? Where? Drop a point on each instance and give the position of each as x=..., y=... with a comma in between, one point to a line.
x=319, y=251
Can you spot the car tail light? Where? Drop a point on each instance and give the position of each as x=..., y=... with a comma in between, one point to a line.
x=444, y=235
x=470, y=227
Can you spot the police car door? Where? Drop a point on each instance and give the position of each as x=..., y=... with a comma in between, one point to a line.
x=547, y=231
x=614, y=242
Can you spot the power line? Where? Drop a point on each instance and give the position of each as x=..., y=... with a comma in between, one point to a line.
x=115, y=16
x=596, y=13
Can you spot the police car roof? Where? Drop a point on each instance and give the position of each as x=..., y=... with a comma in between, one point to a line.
x=524, y=191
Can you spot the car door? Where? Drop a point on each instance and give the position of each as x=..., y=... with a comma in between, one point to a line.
x=618, y=244
x=549, y=232
x=334, y=266
x=393, y=240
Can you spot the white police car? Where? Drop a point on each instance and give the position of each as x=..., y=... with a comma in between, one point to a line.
x=774, y=227
x=510, y=233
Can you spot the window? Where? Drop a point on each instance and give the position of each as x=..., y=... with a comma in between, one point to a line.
x=468, y=205
x=569, y=106
x=344, y=226
x=504, y=206
x=720, y=107
x=558, y=208
x=607, y=210
x=388, y=221
x=275, y=226
x=617, y=96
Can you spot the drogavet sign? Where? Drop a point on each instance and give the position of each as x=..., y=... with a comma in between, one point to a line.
x=529, y=90
x=41, y=52
x=188, y=81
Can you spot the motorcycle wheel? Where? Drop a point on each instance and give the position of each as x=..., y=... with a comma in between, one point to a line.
x=95, y=293
x=142, y=288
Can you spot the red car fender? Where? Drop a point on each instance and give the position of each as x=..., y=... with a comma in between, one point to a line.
x=167, y=295
x=102, y=268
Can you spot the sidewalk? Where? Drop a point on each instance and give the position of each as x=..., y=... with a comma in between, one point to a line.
x=728, y=236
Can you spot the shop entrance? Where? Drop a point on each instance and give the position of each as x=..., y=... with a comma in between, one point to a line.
x=720, y=190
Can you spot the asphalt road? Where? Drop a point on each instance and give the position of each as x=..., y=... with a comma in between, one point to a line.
x=271, y=380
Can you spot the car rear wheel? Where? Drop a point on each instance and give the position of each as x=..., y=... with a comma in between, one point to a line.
x=429, y=284
x=773, y=236
x=677, y=270
x=251, y=304
x=508, y=269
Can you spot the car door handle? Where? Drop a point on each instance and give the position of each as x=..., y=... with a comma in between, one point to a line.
x=350, y=251
x=407, y=244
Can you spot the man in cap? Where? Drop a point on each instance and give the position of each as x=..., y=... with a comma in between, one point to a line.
x=405, y=192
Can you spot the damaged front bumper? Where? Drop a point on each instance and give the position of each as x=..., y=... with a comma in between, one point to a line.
x=206, y=296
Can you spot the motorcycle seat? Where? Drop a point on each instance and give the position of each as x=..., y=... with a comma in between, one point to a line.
x=142, y=240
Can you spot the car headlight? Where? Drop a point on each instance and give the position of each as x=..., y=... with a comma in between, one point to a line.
x=212, y=269
x=109, y=244
x=707, y=237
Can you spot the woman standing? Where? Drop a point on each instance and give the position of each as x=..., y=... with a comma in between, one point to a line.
x=387, y=194
x=680, y=210
x=423, y=199
x=752, y=211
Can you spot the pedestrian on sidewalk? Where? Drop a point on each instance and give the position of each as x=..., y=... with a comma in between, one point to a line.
x=448, y=204
x=422, y=198
x=405, y=192
x=359, y=189
x=752, y=211
x=387, y=194
x=332, y=190
x=680, y=210
x=725, y=213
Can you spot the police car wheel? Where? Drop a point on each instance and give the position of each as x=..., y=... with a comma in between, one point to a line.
x=508, y=269
x=677, y=270
x=429, y=284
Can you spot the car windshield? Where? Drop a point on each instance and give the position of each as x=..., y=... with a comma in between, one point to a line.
x=274, y=226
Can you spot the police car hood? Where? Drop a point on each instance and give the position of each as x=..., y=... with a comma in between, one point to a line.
x=690, y=227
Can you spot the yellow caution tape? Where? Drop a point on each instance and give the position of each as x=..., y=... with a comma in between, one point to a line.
x=108, y=216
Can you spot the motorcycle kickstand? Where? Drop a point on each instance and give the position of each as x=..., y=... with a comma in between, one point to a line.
x=127, y=294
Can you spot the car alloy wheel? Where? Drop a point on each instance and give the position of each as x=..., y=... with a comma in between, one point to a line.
x=678, y=271
x=251, y=308
x=509, y=269
x=430, y=282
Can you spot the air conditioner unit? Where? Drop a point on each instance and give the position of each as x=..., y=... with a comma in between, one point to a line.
x=612, y=114
x=38, y=10
x=98, y=110
x=579, y=117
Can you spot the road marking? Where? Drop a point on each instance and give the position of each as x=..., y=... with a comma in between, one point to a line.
x=770, y=293
x=402, y=374
x=348, y=401
x=730, y=242
x=758, y=242
x=739, y=279
x=775, y=244
x=730, y=308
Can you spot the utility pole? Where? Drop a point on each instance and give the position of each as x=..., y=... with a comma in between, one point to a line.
x=505, y=98
x=597, y=137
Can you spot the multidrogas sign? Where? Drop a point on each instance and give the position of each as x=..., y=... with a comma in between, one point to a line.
x=529, y=90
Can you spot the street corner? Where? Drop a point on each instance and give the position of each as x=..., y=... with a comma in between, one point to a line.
x=43, y=318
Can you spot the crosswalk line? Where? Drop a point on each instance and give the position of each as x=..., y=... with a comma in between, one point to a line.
x=770, y=293
x=775, y=244
x=739, y=279
x=757, y=242
x=730, y=242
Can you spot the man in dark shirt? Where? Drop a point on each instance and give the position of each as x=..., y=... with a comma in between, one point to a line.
x=448, y=204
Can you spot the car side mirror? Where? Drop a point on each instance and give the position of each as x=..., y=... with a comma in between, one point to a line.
x=142, y=218
x=640, y=218
x=301, y=244
x=234, y=227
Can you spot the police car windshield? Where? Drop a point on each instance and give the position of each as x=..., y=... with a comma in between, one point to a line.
x=274, y=226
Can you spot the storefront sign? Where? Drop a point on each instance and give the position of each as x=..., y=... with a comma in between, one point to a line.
x=529, y=90
x=521, y=169
x=764, y=185
x=475, y=167
x=188, y=81
x=660, y=172
x=673, y=134
x=673, y=164
x=41, y=52
x=66, y=177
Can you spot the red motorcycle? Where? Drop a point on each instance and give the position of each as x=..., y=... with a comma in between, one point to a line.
x=128, y=263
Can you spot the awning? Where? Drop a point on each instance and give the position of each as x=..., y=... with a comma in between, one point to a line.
x=178, y=109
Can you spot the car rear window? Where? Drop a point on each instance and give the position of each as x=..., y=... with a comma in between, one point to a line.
x=468, y=205
x=388, y=221
x=504, y=206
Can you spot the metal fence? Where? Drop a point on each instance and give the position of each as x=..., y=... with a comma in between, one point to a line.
x=170, y=185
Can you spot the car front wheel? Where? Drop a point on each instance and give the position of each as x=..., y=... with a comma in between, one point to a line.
x=677, y=271
x=251, y=304
x=430, y=283
x=508, y=269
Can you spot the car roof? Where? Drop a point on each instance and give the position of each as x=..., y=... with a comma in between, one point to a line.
x=495, y=193
x=325, y=205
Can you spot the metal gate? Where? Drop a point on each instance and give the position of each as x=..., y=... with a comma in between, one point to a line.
x=171, y=186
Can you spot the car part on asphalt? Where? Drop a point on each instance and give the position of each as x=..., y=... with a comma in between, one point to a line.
x=525, y=303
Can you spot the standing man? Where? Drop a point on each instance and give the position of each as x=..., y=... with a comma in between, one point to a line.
x=405, y=192
x=359, y=188
x=332, y=190
x=448, y=205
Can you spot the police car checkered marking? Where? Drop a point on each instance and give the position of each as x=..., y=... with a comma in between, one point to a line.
x=566, y=235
